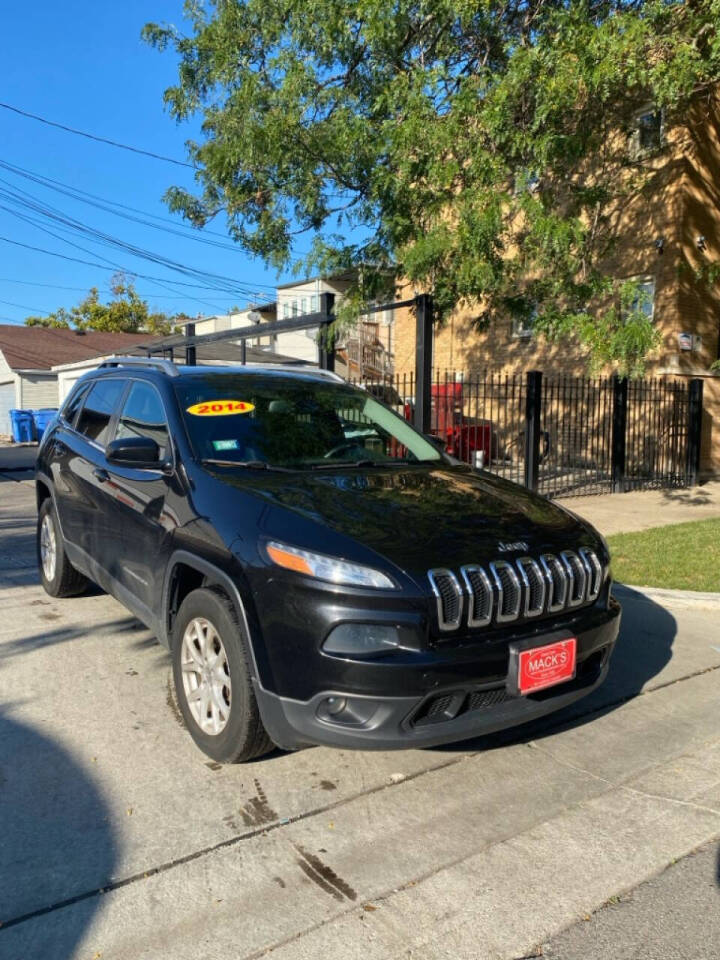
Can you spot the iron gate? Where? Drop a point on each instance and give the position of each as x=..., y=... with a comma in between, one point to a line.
x=564, y=436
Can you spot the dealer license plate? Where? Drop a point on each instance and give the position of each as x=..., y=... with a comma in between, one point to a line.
x=541, y=667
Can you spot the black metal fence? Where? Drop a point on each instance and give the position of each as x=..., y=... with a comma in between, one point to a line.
x=564, y=436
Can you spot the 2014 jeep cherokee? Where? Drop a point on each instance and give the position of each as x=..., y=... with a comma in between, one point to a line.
x=320, y=571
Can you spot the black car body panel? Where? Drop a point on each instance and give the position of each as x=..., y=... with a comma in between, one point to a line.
x=134, y=531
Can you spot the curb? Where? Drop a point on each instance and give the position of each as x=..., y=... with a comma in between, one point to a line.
x=681, y=598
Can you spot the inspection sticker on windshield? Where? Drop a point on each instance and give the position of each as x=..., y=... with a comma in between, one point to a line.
x=220, y=408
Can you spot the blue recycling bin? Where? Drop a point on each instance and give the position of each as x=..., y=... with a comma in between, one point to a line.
x=23, y=428
x=41, y=418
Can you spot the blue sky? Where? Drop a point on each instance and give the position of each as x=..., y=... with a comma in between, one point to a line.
x=83, y=64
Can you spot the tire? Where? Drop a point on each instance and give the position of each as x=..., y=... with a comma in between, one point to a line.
x=211, y=659
x=57, y=575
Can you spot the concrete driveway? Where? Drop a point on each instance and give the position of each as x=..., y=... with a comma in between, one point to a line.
x=120, y=840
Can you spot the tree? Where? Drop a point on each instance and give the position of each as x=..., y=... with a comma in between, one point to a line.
x=478, y=146
x=125, y=313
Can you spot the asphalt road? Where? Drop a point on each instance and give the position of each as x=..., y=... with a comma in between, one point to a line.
x=675, y=916
x=120, y=840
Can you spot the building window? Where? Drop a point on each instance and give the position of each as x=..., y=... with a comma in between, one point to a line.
x=313, y=303
x=303, y=306
x=648, y=130
x=644, y=300
x=294, y=308
x=286, y=310
x=526, y=181
x=523, y=323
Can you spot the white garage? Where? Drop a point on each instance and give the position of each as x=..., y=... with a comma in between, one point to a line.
x=28, y=354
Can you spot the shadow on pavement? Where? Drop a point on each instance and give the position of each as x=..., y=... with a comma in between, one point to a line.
x=56, y=843
x=694, y=497
x=643, y=649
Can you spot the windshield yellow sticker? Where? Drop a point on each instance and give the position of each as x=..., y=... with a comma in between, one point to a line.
x=220, y=408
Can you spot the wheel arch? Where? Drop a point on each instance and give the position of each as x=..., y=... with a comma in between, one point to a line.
x=185, y=573
x=43, y=491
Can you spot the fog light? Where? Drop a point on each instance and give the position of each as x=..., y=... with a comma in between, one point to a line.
x=335, y=705
x=361, y=638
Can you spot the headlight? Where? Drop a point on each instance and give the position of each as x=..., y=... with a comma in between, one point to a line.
x=327, y=568
x=361, y=638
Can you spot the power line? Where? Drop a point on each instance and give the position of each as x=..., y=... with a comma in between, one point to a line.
x=58, y=286
x=126, y=212
x=100, y=266
x=92, y=136
x=23, y=306
x=65, y=223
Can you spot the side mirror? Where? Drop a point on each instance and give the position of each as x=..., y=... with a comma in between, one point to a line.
x=140, y=452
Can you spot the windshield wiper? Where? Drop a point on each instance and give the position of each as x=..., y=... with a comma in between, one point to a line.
x=248, y=464
x=341, y=464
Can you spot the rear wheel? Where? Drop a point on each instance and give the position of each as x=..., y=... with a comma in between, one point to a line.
x=57, y=575
x=211, y=671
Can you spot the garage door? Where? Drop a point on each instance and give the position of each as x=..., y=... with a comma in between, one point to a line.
x=7, y=402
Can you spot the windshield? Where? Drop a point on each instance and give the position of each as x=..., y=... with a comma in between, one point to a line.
x=277, y=421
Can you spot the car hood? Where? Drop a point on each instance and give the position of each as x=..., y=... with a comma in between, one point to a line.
x=421, y=517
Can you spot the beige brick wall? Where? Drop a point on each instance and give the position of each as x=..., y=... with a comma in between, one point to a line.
x=680, y=203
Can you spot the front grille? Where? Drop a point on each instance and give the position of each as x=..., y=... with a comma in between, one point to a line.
x=510, y=590
x=449, y=598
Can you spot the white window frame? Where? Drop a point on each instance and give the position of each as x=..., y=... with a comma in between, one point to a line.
x=637, y=149
x=518, y=329
x=646, y=281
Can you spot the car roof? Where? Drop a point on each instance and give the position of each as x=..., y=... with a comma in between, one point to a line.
x=163, y=367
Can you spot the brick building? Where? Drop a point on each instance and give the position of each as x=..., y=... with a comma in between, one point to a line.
x=666, y=236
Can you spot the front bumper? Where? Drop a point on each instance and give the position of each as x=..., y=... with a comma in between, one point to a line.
x=468, y=706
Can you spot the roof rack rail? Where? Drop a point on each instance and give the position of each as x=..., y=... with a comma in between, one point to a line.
x=165, y=366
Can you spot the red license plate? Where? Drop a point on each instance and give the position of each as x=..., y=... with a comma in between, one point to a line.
x=541, y=667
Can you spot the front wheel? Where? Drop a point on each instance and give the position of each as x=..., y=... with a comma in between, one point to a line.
x=211, y=671
x=57, y=575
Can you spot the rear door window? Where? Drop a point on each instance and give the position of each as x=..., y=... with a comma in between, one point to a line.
x=98, y=410
x=143, y=415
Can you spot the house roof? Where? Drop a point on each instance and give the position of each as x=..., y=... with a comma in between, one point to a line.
x=40, y=348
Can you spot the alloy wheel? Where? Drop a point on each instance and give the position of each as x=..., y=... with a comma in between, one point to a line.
x=206, y=676
x=48, y=547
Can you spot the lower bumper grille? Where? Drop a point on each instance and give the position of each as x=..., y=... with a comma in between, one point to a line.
x=450, y=706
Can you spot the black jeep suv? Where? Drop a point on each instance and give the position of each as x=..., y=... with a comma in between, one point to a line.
x=320, y=572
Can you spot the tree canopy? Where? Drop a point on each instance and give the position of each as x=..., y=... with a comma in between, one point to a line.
x=452, y=137
x=125, y=313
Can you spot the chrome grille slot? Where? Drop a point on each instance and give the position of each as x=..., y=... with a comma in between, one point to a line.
x=557, y=582
x=577, y=577
x=508, y=589
x=534, y=584
x=594, y=571
x=480, y=595
x=448, y=596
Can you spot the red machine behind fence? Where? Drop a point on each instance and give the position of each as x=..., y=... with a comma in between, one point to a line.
x=466, y=438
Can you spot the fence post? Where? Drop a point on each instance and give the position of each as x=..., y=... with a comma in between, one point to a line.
x=533, y=407
x=423, y=361
x=326, y=345
x=619, y=431
x=190, y=352
x=694, y=429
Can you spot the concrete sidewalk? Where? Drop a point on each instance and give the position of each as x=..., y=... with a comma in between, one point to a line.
x=640, y=510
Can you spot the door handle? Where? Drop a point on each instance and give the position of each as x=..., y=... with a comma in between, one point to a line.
x=101, y=475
